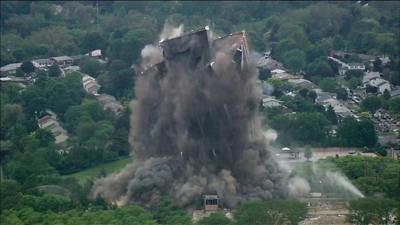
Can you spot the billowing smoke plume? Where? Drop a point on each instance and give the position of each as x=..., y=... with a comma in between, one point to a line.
x=195, y=130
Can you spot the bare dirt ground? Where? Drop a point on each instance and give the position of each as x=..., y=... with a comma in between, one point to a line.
x=321, y=212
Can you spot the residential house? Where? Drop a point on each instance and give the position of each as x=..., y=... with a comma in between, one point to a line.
x=110, y=103
x=95, y=54
x=269, y=63
x=380, y=84
x=368, y=76
x=90, y=85
x=302, y=83
x=283, y=76
x=323, y=96
x=395, y=93
x=384, y=59
x=62, y=61
x=9, y=69
x=271, y=102
x=42, y=63
x=50, y=122
x=341, y=110
x=277, y=71
x=350, y=66
x=70, y=69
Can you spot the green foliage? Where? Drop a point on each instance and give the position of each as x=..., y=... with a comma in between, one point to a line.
x=371, y=103
x=307, y=127
x=133, y=214
x=366, y=211
x=27, y=67
x=285, y=212
x=371, y=174
x=215, y=219
x=329, y=85
x=319, y=68
x=27, y=166
x=90, y=66
x=353, y=133
x=54, y=71
x=331, y=115
x=166, y=212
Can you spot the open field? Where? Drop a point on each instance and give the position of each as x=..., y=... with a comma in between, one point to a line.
x=108, y=168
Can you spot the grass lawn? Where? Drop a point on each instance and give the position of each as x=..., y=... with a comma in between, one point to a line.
x=108, y=167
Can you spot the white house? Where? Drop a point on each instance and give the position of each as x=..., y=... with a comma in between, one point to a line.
x=95, y=53
x=381, y=84
x=271, y=102
x=42, y=63
x=302, y=83
x=50, y=122
x=277, y=71
x=368, y=76
x=90, y=85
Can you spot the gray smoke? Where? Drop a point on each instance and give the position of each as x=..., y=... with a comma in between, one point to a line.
x=195, y=130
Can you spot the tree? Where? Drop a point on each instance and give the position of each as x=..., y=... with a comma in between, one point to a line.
x=353, y=133
x=283, y=212
x=329, y=85
x=371, y=103
x=264, y=74
x=27, y=166
x=386, y=94
x=215, y=219
x=365, y=211
x=308, y=153
x=312, y=95
x=294, y=60
x=90, y=66
x=377, y=65
x=54, y=70
x=167, y=212
x=27, y=67
x=341, y=93
x=331, y=115
x=44, y=137
x=319, y=68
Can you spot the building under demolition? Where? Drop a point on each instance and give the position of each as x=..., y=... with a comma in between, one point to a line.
x=195, y=127
x=196, y=51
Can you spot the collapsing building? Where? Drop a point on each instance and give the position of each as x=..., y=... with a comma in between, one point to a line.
x=195, y=51
x=195, y=127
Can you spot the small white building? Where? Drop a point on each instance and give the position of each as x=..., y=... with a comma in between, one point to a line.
x=90, y=85
x=277, y=71
x=42, y=63
x=302, y=83
x=95, y=53
x=271, y=102
x=50, y=122
x=380, y=84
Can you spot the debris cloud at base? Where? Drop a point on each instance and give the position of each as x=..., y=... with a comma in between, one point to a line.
x=195, y=127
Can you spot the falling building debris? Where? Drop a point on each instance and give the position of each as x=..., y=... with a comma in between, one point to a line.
x=195, y=127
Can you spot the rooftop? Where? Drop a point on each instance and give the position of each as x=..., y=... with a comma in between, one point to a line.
x=61, y=58
x=10, y=67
